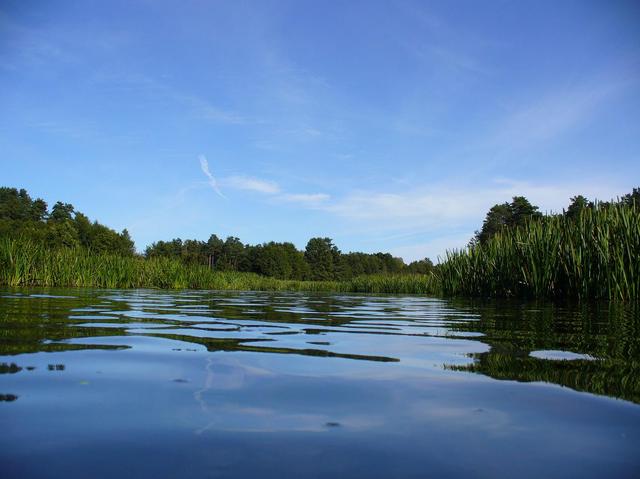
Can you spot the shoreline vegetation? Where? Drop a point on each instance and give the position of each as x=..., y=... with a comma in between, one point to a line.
x=594, y=254
x=25, y=263
x=590, y=251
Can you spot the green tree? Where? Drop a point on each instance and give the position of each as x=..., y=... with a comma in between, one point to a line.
x=17, y=205
x=280, y=260
x=167, y=249
x=423, y=266
x=214, y=249
x=578, y=203
x=323, y=257
x=61, y=212
x=194, y=252
x=62, y=234
x=497, y=218
x=522, y=211
x=233, y=255
x=126, y=244
x=39, y=210
x=632, y=198
x=506, y=215
x=84, y=229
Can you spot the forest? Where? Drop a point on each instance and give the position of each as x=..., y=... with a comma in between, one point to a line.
x=62, y=227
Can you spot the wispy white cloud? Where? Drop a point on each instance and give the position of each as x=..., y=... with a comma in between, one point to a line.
x=442, y=206
x=31, y=48
x=554, y=114
x=273, y=190
x=251, y=184
x=150, y=87
x=429, y=221
x=204, y=166
x=399, y=207
x=266, y=187
x=306, y=199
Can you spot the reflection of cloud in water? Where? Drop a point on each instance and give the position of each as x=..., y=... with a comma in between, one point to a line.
x=232, y=375
x=494, y=422
x=221, y=375
x=556, y=355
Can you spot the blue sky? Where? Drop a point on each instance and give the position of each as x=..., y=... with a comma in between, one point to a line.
x=387, y=126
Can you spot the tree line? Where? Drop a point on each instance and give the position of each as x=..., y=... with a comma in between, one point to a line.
x=320, y=260
x=519, y=211
x=63, y=226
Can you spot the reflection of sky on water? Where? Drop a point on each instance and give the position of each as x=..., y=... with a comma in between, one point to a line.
x=560, y=355
x=386, y=391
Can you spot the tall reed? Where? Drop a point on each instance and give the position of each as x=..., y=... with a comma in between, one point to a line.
x=25, y=263
x=593, y=256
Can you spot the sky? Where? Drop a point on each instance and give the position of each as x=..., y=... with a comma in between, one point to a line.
x=385, y=125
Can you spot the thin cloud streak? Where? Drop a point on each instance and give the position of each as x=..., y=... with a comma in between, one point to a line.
x=273, y=190
x=307, y=199
x=428, y=222
x=204, y=166
x=556, y=113
x=251, y=184
x=153, y=88
x=442, y=206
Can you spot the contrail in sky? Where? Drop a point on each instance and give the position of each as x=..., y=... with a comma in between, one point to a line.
x=204, y=165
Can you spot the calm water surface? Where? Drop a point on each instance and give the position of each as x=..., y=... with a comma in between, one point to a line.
x=101, y=383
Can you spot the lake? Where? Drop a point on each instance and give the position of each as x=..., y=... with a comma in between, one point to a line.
x=152, y=384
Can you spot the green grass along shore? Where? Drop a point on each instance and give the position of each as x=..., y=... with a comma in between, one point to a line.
x=593, y=256
x=26, y=263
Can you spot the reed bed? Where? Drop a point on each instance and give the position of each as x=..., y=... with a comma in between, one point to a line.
x=392, y=283
x=593, y=256
x=25, y=263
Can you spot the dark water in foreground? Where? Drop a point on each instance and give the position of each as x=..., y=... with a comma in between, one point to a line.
x=206, y=384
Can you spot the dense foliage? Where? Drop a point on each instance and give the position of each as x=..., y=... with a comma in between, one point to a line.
x=590, y=251
x=27, y=263
x=23, y=217
x=505, y=216
x=320, y=261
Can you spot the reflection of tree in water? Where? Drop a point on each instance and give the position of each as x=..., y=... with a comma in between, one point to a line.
x=6, y=368
x=217, y=344
x=608, y=332
x=29, y=325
